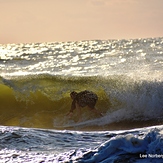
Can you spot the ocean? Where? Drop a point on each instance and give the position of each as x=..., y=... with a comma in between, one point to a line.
x=36, y=80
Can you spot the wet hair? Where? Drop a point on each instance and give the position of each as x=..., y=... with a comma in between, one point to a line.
x=73, y=94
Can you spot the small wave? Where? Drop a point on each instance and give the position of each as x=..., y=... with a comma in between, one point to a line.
x=38, y=145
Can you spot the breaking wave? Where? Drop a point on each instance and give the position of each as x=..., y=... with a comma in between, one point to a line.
x=43, y=101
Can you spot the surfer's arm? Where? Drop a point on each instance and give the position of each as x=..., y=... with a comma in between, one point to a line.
x=73, y=107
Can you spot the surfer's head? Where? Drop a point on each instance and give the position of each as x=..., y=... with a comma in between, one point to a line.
x=73, y=94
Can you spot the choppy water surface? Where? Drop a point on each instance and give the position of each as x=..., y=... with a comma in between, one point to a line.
x=33, y=145
x=84, y=58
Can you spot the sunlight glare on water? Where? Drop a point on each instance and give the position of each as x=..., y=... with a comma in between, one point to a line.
x=98, y=57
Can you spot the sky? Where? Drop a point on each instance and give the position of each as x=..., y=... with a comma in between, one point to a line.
x=26, y=21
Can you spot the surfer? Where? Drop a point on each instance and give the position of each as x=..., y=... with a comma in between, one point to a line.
x=82, y=99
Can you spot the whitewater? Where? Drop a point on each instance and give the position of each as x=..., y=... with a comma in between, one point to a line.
x=35, y=84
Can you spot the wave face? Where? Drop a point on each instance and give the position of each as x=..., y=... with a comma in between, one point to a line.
x=126, y=75
x=43, y=101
